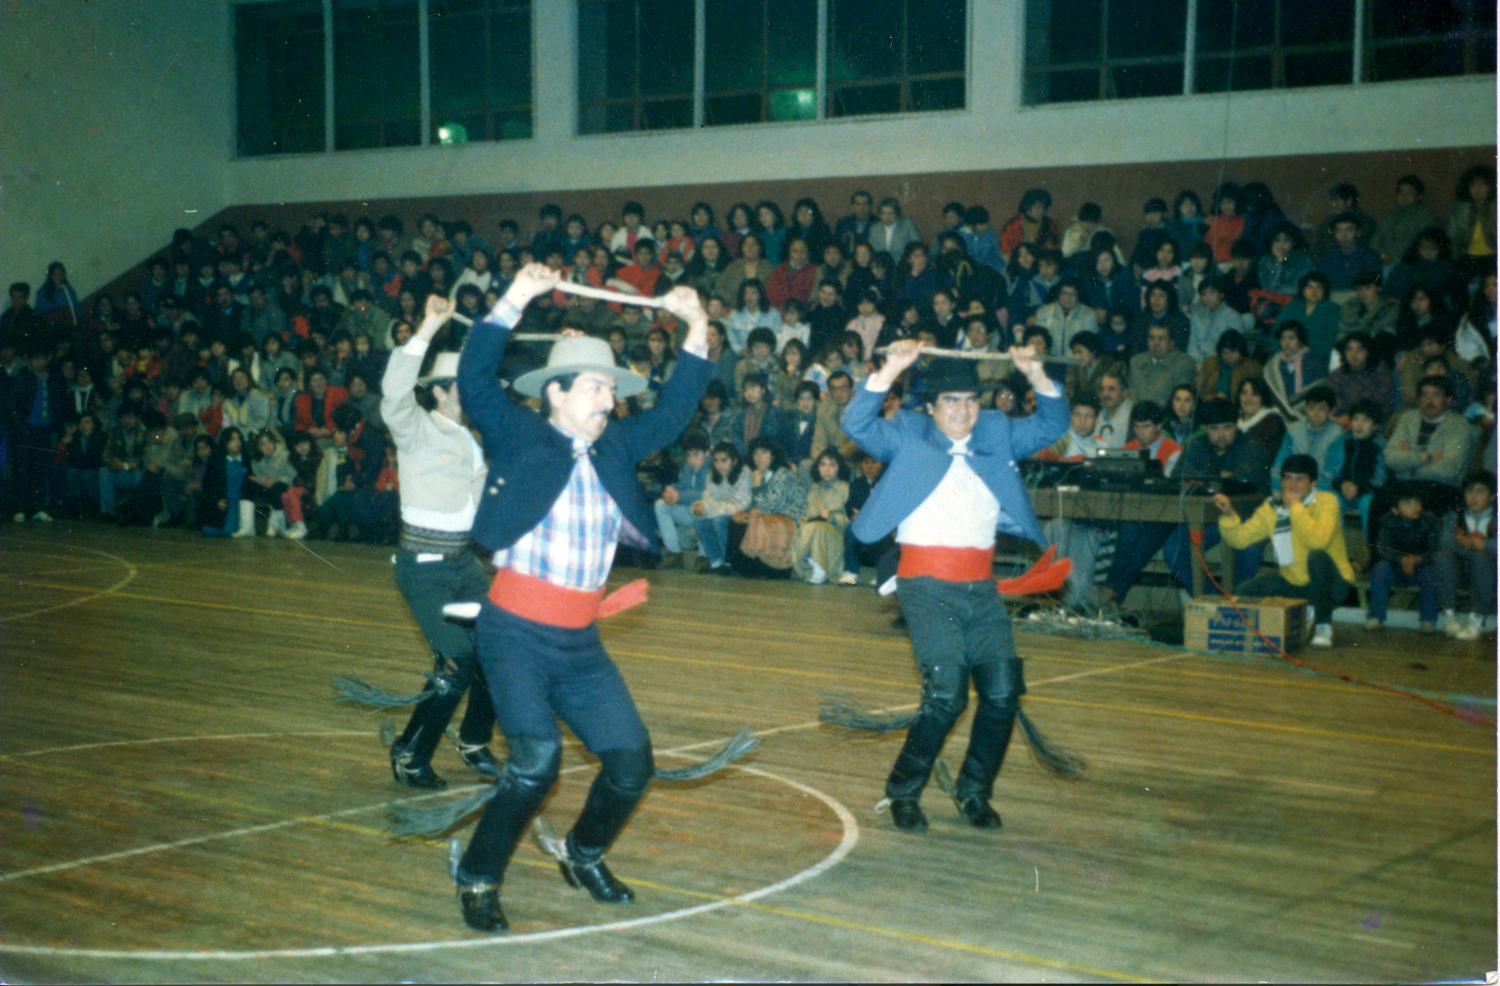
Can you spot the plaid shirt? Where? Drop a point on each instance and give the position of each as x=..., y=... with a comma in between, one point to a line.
x=574, y=545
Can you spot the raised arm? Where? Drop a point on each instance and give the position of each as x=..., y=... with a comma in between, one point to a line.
x=398, y=405
x=862, y=421
x=1034, y=433
x=484, y=400
x=657, y=428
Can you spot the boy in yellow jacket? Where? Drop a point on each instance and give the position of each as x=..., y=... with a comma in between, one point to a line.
x=1306, y=531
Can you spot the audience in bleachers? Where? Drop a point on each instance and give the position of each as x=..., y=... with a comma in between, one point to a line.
x=238, y=378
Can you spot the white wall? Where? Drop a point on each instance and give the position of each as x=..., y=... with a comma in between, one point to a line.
x=995, y=132
x=117, y=126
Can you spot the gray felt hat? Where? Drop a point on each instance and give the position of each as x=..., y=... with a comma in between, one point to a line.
x=580, y=354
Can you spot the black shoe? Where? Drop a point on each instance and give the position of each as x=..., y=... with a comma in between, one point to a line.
x=480, y=758
x=414, y=775
x=978, y=812
x=481, y=906
x=597, y=880
x=907, y=814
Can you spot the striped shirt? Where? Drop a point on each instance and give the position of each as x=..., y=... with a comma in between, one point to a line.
x=574, y=545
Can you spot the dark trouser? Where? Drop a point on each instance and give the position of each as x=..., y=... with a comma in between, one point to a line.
x=1325, y=589
x=33, y=475
x=537, y=674
x=1385, y=577
x=428, y=586
x=857, y=552
x=960, y=631
x=1477, y=570
x=1140, y=540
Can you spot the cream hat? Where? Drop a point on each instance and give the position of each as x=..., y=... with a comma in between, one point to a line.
x=580, y=354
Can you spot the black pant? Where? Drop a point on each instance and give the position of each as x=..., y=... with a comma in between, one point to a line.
x=428, y=586
x=960, y=631
x=1325, y=589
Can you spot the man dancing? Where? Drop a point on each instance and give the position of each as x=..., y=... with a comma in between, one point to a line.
x=561, y=491
x=951, y=483
x=442, y=478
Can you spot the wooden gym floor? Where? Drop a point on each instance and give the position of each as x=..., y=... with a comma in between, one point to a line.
x=183, y=801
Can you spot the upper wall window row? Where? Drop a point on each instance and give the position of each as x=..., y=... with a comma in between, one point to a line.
x=1078, y=50
x=335, y=75
x=667, y=64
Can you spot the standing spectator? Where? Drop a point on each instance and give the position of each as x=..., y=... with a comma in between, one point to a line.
x=1471, y=224
x=37, y=396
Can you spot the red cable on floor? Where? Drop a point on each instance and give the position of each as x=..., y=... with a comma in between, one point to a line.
x=1352, y=679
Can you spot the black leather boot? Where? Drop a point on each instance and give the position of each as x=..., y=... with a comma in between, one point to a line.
x=614, y=794
x=989, y=737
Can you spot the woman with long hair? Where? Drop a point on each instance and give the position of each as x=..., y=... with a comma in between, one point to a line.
x=739, y=223
x=809, y=226
x=820, y=542
x=726, y=493
x=771, y=225
x=763, y=539
x=1259, y=418
x=56, y=300
x=751, y=312
x=221, y=511
x=1471, y=224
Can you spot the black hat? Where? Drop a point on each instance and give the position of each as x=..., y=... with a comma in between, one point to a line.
x=948, y=375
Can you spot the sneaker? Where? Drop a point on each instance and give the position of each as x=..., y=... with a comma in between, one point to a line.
x=848, y=578
x=1469, y=626
x=43, y=516
x=19, y=518
x=1323, y=635
x=818, y=576
x=1374, y=624
x=1449, y=622
x=297, y=531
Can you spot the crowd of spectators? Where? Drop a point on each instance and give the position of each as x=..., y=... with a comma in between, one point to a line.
x=237, y=386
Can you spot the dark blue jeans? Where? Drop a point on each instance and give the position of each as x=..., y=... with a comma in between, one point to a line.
x=1385, y=577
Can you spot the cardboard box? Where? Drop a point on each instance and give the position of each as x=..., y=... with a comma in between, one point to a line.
x=1210, y=623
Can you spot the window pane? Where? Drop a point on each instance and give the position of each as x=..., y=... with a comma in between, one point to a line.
x=794, y=104
x=1321, y=69
x=1317, y=23
x=377, y=73
x=1133, y=81
x=937, y=94
x=481, y=62
x=936, y=35
x=510, y=57
x=621, y=116
x=667, y=114
x=1218, y=30
x=619, y=50
x=864, y=39
x=1064, y=31
x=279, y=77
x=666, y=58
x=792, y=37
x=721, y=111
x=1064, y=87
x=1214, y=74
x=864, y=100
x=1405, y=18
x=734, y=46
x=1156, y=28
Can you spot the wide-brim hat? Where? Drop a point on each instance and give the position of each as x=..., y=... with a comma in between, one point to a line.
x=951, y=376
x=580, y=354
x=444, y=370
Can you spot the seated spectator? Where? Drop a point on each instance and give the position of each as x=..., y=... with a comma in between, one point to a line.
x=1241, y=279
x=726, y=492
x=982, y=242
x=1031, y=224
x=1162, y=367
x=827, y=319
x=245, y=407
x=1466, y=558
x=1161, y=309
x=1019, y=270
x=856, y=552
x=1315, y=312
x=1348, y=257
x=801, y=424
x=1428, y=263
x=1475, y=339
x=852, y=350
x=1117, y=335
x=751, y=312
x=946, y=322
x=1406, y=550
x=771, y=225
x=1182, y=415
x=793, y=277
x=1186, y=225
x=641, y=276
x=1259, y=418
x=714, y=419
x=763, y=539
x=1079, y=443
x=1154, y=232
x=1147, y=421
x=1317, y=435
x=792, y=365
x=1225, y=224
x=316, y=405
x=1362, y=471
x=1090, y=362
x=80, y=452
x=1208, y=319
x=1065, y=316
x=756, y=415
x=1220, y=453
x=867, y=321
x=124, y=459
x=1368, y=311
x=1049, y=265
x=1113, y=429
x=177, y=471
x=1306, y=533
x=1293, y=369
x=658, y=366
x=1285, y=261
x=820, y=541
x=305, y=459
x=1358, y=378
x=1427, y=345
x=759, y=356
x=1471, y=224
x=1166, y=268
x=676, y=504
x=1109, y=285
x=829, y=431
x=271, y=475
x=1429, y=449
x=1198, y=268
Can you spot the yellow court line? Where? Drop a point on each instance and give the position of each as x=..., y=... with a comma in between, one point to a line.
x=1223, y=721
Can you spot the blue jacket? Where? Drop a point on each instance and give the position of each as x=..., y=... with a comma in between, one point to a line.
x=918, y=458
x=530, y=460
